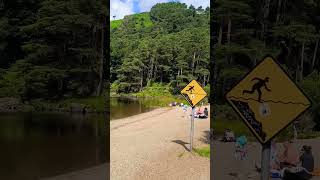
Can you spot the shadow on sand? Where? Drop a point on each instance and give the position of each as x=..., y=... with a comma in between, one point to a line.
x=182, y=143
x=206, y=137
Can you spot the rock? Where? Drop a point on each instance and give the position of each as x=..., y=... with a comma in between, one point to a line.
x=11, y=105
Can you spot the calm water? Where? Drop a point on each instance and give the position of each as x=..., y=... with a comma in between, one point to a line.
x=34, y=146
x=125, y=107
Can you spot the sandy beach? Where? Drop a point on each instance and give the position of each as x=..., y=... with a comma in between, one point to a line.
x=154, y=145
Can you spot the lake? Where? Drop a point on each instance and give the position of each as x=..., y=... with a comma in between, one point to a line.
x=38, y=145
x=125, y=107
x=41, y=145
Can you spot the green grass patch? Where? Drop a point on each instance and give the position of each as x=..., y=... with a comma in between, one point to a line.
x=115, y=23
x=204, y=152
x=158, y=95
x=142, y=20
x=153, y=95
x=153, y=90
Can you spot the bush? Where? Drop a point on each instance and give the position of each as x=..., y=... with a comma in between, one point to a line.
x=311, y=86
x=226, y=112
x=154, y=90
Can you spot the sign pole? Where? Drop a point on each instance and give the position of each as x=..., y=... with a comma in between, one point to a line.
x=191, y=130
x=265, y=161
x=193, y=93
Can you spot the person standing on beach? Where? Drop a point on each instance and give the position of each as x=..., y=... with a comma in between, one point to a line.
x=185, y=108
x=241, y=148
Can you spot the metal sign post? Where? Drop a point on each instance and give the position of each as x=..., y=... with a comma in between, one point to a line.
x=193, y=93
x=192, y=129
x=265, y=161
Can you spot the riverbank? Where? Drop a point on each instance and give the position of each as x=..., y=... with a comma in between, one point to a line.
x=154, y=145
x=153, y=101
x=160, y=95
x=75, y=105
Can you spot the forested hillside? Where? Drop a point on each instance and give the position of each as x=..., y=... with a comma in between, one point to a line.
x=247, y=30
x=52, y=49
x=168, y=45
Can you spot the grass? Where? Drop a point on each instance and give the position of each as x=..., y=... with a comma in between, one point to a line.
x=145, y=18
x=153, y=95
x=204, y=151
x=141, y=19
x=116, y=23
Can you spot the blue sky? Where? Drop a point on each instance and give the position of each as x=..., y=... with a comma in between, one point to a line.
x=120, y=8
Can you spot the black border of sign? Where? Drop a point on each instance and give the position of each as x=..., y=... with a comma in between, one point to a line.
x=186, y=98
x=244, y=121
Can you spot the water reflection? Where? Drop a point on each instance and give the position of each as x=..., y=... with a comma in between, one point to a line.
x=125, y=107
x=36, y=145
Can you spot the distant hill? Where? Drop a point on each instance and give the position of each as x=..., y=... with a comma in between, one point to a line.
x=141, y=19
x=168, y=45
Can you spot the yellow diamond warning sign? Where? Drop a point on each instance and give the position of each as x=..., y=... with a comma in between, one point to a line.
x=193, y=93
x=267, y=100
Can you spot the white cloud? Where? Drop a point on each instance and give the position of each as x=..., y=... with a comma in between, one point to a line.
x=120, y=8
x=146, y=5
x=197, y=3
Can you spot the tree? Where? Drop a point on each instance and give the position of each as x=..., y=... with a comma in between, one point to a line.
x=66, y=37
x=171, y=49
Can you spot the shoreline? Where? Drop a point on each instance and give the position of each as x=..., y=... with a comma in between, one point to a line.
x=88, y=105
x=154, y=145
x=136, y=115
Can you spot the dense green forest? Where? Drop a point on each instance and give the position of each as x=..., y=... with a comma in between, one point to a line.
x=52, y=49
x=168, y=46
x=247, y=30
